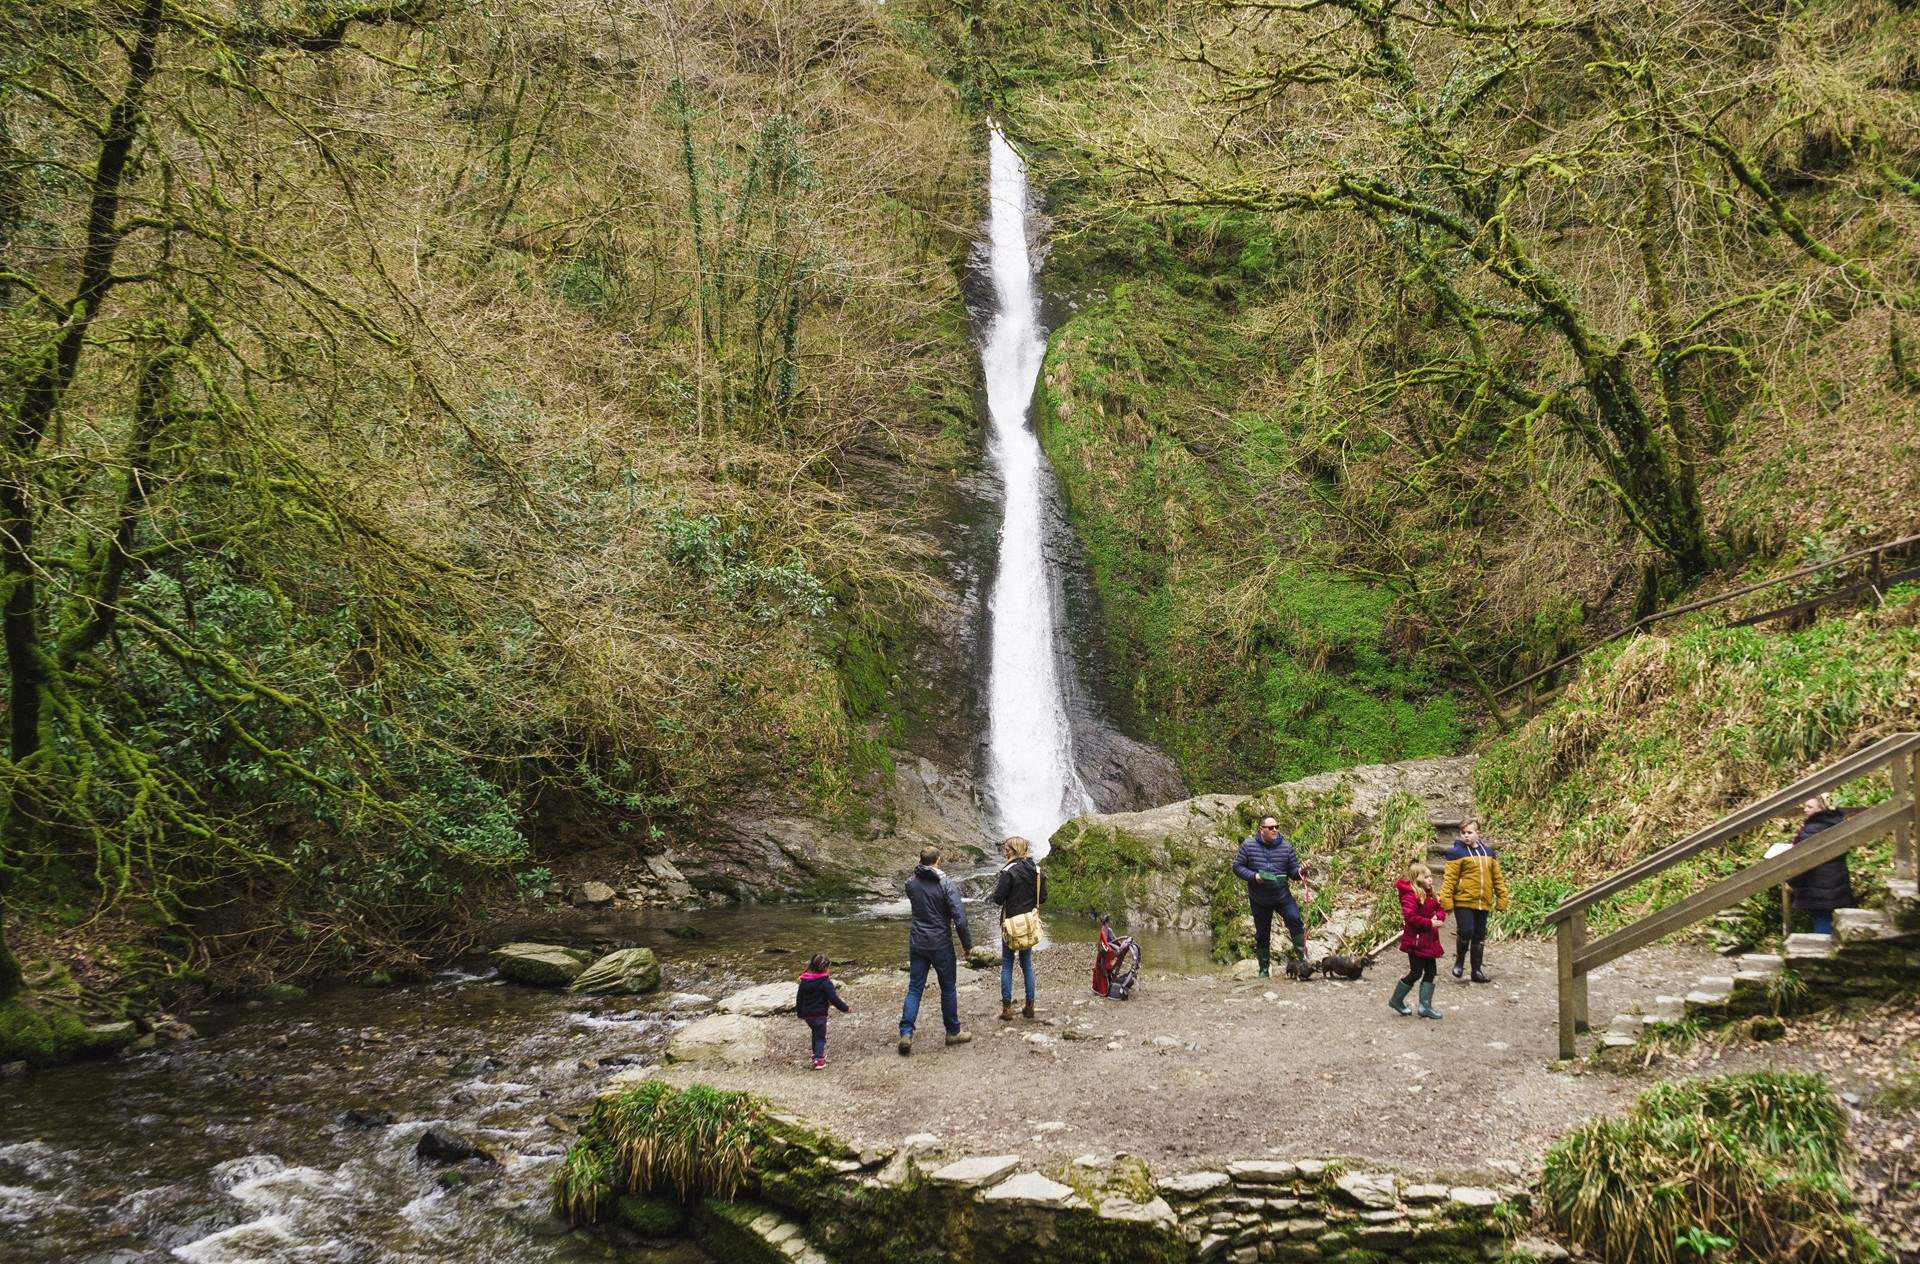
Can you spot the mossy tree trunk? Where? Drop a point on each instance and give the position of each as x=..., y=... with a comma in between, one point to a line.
x=100, y=338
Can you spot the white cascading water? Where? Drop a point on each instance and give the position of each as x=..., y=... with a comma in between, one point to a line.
x=1030, y=740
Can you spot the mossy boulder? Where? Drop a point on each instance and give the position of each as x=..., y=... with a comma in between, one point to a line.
x=540, y=965
x=43, y=1035
x=626, y=971
x=1171, y=867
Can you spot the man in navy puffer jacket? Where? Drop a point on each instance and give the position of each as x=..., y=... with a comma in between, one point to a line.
x=1265, y=862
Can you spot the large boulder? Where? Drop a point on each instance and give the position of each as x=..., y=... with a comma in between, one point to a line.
x=761, y=1001
x=628, y=970
x=540, y=965
x=1170, y=867
x=729, y=1039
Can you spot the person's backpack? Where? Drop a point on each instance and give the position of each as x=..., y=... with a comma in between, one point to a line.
x=1116, y=963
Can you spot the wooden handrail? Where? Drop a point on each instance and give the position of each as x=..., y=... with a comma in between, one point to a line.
x=1729, y=827
x=1703, y=603
x=1861, y=827
x=1899, y=815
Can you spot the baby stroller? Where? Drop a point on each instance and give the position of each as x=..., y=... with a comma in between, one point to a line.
x=1116, y=964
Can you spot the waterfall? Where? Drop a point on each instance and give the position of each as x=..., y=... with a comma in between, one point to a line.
x=1030, y=770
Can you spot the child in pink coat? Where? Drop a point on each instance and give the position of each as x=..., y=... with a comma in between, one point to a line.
x=1420, y=915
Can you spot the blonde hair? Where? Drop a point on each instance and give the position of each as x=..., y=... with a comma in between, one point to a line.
x=1417, y=870
x=1016, y=847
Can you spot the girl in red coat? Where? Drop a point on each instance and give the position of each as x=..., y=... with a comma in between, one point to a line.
x=1421, y=915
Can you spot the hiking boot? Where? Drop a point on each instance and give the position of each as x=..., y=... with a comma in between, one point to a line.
x=1480, y=976
x=906, y=1045
x=1399, y=1002
x=960, y=1038
x=1426, y=1009
x=1459, y=968
x=1028, y=1011
x=1006, y=1011
x=1479, y=955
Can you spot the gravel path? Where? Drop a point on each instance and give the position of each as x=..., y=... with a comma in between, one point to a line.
x=1203, y=1068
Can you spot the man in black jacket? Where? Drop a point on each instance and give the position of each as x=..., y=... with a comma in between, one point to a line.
x=1827, y=886
x=937, y=905
x=1266, y=863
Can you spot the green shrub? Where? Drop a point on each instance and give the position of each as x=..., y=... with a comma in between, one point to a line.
x=690, y=1143
x=1746, y=1166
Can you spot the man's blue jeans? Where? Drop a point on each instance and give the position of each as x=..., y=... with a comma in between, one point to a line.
x=1006, y=971
x=941, y=962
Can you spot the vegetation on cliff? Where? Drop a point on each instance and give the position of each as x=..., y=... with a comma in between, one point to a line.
x=1403, y=348
x=1660, y=735
x=422, y=420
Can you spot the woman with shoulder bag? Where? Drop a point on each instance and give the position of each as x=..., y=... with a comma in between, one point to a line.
x=1020, y=892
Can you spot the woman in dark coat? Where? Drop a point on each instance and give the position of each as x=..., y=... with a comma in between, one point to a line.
x=1827, y=886
x=1020, y=889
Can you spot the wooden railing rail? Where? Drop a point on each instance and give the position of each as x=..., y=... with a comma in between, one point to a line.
x=1876, y=579
x=1898, y=815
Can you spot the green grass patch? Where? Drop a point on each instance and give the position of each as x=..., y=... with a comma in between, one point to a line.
x=1736, y=1168
x=689, y=1144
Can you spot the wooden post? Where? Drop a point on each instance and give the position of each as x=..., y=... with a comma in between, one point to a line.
x=1564, y=940
x=1580, y=1018
x=1906, y=836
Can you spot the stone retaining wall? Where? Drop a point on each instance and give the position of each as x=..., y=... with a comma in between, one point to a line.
x=811, y=1200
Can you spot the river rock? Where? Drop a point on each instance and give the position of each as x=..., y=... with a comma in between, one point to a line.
x=367, y=1117
x=592, y=895
x=436, y=1146
x=1372, y=1190
x=729, y=1039
x=1035, y=1190
x=1155, y=1212
x=972, y=1173
x=760, y=1002
x=628, y=970
x=539, y=965
x=981, y=958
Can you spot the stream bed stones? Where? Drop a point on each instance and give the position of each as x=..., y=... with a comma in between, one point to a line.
x=626, y=971
x=540, y=965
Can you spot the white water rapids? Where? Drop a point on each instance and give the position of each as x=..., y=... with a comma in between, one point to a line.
x=1030, y=740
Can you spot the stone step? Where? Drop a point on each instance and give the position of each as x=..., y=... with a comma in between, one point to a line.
x=1667, y=1009
x=1809, y=947
x=1629, y=1025
x=1850, y=924
x=1903, y=904
x=1758, y=963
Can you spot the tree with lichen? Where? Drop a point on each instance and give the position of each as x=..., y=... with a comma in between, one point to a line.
x=153, y=355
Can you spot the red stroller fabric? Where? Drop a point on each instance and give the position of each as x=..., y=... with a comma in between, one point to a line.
x=1116, y=964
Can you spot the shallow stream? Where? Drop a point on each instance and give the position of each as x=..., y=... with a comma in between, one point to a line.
x=237, y=1147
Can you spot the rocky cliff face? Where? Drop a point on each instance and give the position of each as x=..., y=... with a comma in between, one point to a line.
x=1355, y=828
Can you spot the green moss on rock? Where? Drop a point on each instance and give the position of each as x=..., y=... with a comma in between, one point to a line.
x=43, y=1035
x=652, y=1217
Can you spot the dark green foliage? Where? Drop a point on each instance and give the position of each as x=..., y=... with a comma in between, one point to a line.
x=1753, y=1162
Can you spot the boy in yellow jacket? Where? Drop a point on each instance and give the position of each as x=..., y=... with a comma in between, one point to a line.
x=1471, y=889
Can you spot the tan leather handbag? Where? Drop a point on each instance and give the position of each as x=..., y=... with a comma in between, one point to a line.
x=1021, y=931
